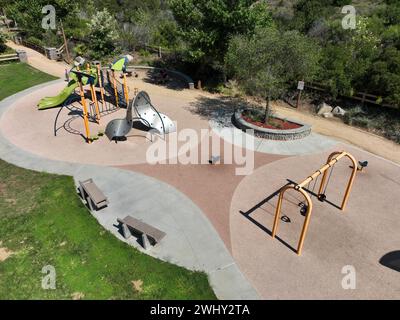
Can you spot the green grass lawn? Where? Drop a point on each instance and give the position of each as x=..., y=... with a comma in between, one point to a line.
x=43, y=222
x=15, y=77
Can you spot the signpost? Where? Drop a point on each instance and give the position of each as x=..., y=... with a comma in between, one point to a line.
x=300, y=87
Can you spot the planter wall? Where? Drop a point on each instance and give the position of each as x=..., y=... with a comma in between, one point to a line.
x=273, y=134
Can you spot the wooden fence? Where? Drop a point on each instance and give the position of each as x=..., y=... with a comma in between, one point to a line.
x=9, y=57
x=364, y=97
x=33, y=46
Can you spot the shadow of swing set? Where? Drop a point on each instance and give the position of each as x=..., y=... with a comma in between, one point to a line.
x=308, y=205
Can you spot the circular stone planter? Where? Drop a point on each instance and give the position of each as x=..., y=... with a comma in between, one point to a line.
x=273, y=134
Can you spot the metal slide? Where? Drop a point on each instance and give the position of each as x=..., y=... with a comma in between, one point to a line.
x=140, y=109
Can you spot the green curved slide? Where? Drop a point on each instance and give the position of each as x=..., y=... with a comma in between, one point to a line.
x=51, y=102
x=58, y=100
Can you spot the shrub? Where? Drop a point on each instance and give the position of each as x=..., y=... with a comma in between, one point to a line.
x=102, y=34
x=3, y=40
x=35, y=41
x=353, y=113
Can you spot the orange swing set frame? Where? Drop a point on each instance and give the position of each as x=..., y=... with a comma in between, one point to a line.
x=331, y=161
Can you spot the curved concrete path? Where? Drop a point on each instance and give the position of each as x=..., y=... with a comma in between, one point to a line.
x=314, y=143
x=191, y=240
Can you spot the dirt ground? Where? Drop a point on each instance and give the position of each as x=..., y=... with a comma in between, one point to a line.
x=336, y=129
x=4, y=253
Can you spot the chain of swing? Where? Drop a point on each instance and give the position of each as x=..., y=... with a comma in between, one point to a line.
x=321, y=197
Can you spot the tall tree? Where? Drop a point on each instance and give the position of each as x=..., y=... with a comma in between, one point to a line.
x=268, y=63
x=207, y=25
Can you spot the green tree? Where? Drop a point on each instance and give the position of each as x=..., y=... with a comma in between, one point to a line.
x=385, y=76
x=103, y=34
x=28, y=13
x=206, y=26
x=269, y=62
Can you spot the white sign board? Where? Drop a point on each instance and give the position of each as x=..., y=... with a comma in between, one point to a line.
x=300, y=85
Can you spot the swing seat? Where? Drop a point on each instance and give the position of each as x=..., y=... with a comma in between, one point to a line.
x=362, y=165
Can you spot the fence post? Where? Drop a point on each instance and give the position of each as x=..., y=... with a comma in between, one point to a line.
x=23, y=57
x=51, y=53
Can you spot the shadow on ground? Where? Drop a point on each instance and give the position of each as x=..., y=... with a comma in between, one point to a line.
x=219, y=109
x=167, y=81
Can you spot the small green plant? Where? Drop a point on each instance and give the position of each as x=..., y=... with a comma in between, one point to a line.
x=353, y=113
x=35, y=41
x=93, y=138
x=276, y=124
x=254, y=115
x=81, y=50
x=144, y=53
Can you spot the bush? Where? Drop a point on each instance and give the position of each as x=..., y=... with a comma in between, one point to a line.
x=102, y=34
x=81, y=50
x=35, y=41
x=353, y=113
x=393, y=133
x=3, y=39
x=362, y=122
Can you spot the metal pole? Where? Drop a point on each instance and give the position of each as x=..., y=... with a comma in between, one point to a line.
x=100, y=85
x=94, y=97
x=126, y=91
x=306, y=221
x=330, y=162
x=85, y=113
x=65, y=42
x=351, y=180
x=115, y=88
x=298, y=99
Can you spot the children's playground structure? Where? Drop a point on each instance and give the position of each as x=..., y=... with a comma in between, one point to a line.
x=308, y=206
x=111, y=96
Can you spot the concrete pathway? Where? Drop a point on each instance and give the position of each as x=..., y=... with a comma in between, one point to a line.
x=314, y=143
x=191, y=240
x=40, y=62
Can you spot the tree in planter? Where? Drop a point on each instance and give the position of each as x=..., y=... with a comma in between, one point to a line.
x=102, y=34
x=269, y=62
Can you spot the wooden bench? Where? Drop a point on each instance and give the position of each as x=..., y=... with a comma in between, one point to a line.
x=94, y=197
x=150, y=235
